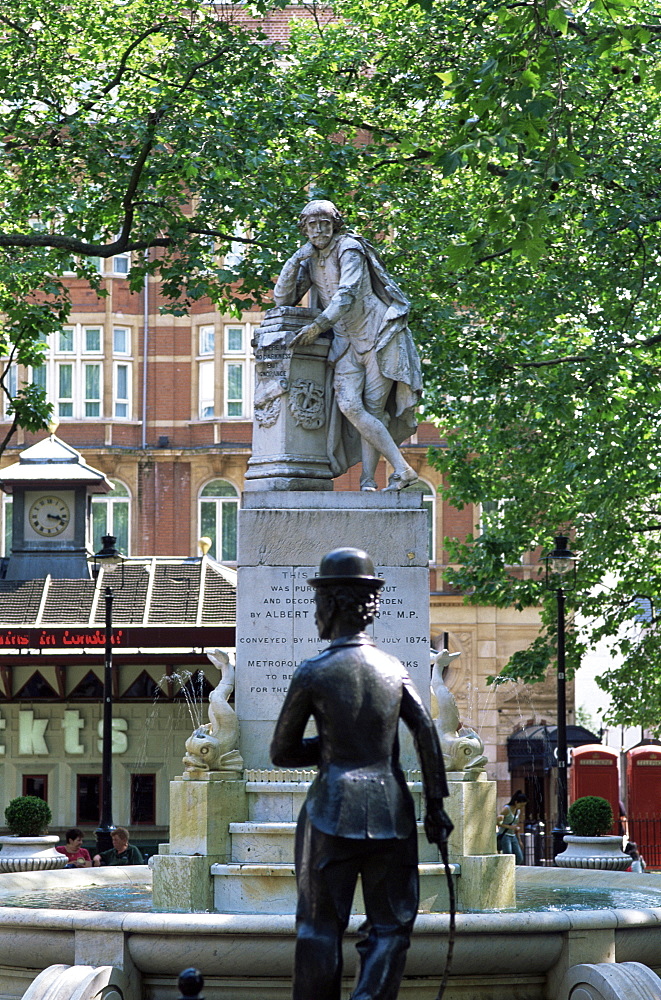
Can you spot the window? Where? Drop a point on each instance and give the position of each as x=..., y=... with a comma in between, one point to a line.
x=7, y=528
x=111, y=516
x=121, y=340
x=219, y=504
x=65, y=341
x=92, y=390
x=10, y=372
x=92, y=339
x=75, y=378
x=207, y=340
x=37, y=785
x=143, y=799
x=88, y=799
x=233, y=339
x=206, y=389
x=65, y=390
x=234, y=398
x=236, y=368
x=121, y=264
x=121, y=391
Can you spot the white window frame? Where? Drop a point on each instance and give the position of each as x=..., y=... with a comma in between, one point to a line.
x=109, y=502
x=79, y=358
x=117, y=400
x=115, y=350
x=7, y=521
x=206, y=340
x=241, y=365
x=11, y=382
x=239, y=351
x=206, y=389
x=218, y=502
x=117, y=264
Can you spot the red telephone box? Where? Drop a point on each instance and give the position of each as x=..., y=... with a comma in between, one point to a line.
x=594, y=771
x=644, y=801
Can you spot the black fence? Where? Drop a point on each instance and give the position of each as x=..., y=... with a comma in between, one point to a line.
x=645, y=832
x=538, y=846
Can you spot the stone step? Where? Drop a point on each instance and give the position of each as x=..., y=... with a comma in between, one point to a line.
x=271, y=888
x=278, y=795
x=273, y=843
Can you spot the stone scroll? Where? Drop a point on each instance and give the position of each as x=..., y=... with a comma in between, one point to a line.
x=289, y=450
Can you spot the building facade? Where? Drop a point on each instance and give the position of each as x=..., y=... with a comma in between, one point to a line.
x=162, y=405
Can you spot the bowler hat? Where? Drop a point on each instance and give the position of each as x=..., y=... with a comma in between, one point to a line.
x=346, y=566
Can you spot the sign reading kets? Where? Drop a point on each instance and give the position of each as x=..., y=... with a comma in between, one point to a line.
x=32, y=734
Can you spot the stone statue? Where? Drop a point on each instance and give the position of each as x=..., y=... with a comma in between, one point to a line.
x=376, y=377
x=462, y=747
x=358, y=817
x=213, y=747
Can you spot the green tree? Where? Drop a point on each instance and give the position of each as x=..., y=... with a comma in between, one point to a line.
x=506, y=157
x=157, y=127
x=512, y=153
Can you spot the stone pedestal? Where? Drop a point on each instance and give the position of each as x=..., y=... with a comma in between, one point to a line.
x=488, y=879
x=291, y=412
x=282, y=537
x=201, y=811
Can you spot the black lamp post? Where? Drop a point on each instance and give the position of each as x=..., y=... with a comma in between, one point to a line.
x=107, y=556
x=561, y=576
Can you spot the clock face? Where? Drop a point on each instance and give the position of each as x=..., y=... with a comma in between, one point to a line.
x=49, y=516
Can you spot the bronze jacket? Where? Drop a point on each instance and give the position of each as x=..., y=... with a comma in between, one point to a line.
x=357, y=694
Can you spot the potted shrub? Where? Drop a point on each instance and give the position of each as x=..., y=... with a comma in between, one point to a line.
x=588, y=845
x=29, y=847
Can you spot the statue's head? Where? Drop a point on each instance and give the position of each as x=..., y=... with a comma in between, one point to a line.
x=347, y=590
x=320, y=211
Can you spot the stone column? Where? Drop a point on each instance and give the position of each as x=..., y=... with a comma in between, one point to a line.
x=291, y=407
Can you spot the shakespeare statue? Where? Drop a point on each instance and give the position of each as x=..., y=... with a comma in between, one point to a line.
x=376, y=382
x=358, y=817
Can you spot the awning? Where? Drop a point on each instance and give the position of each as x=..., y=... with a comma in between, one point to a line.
x=534, y=747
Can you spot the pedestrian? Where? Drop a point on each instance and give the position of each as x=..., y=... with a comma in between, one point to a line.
x=121, y=852
x=77, y=856
x=509, y=825
x=637, y=865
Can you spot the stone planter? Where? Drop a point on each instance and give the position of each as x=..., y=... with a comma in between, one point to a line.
x=30, y=854
x=593, y=852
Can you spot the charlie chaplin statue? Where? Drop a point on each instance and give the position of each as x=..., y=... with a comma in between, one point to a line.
x=358, y=817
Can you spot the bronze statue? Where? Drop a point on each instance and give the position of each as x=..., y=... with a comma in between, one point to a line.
x=358, y=817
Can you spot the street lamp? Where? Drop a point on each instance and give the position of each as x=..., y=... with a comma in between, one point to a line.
x=561, y=576
x=106, y=556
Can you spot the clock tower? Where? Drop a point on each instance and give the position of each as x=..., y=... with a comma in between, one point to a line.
x=51, y=486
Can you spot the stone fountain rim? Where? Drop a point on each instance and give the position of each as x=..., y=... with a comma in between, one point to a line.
x=273, y=925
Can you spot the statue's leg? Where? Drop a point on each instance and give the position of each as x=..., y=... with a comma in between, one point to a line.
x=389, y=876
x=361, y=393
x=325, y=893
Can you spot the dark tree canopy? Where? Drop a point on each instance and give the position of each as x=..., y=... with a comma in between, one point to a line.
x=506, y=157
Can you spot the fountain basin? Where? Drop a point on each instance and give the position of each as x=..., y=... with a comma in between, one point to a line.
x=499, y=956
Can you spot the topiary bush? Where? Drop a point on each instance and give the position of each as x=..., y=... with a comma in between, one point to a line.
x=28, y=816
x=590, y=816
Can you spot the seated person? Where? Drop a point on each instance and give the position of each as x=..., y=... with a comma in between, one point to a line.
x=121, y=852
x=77, y=856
